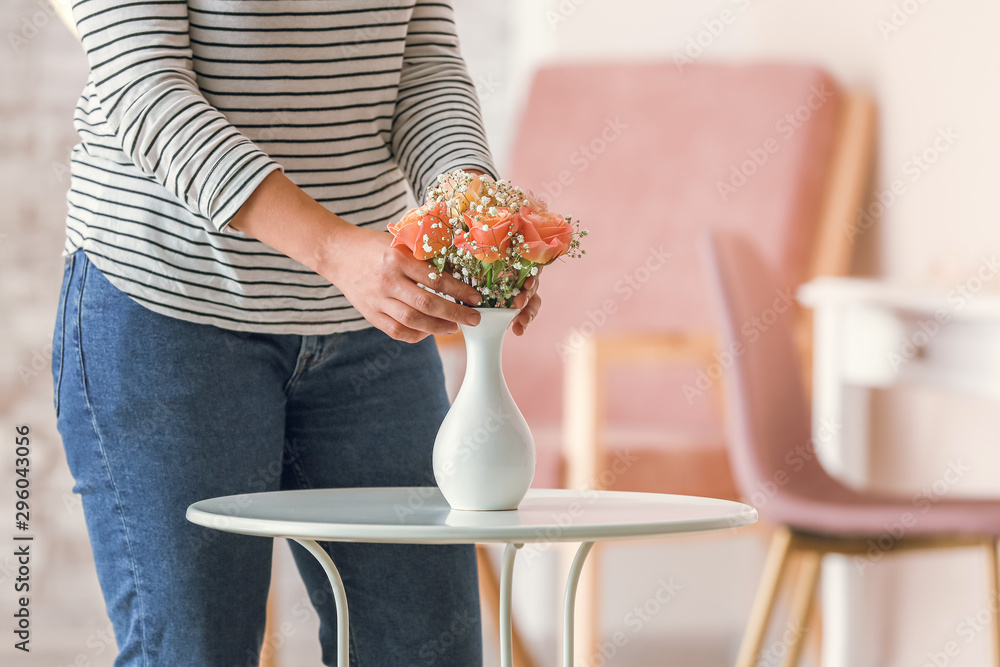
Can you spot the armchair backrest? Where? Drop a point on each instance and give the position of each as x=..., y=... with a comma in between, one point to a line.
x=771, y=448
x=648, y=156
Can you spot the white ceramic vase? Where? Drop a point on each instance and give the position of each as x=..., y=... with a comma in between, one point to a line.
x=484, y=455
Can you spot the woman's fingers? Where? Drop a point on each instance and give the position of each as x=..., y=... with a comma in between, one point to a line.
x=381, y=282
x=445, y=283
x=413, y=312
x=528, y=290
x=411, y=316
x=526, y=315
x=395, y=330
x=436, y=311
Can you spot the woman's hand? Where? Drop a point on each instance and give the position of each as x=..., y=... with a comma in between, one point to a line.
x=529, y=302
x=381, y=283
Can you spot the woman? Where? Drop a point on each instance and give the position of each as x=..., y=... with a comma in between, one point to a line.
x=229, y=282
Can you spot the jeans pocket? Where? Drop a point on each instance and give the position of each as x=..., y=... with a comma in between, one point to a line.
x=59, y=333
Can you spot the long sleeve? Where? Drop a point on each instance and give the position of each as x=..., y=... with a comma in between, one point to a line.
x=190, y=104
x=141, y=74
x=437, y=124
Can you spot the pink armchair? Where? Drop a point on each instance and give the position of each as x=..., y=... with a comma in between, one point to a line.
x=621, y=369
x=648, y=156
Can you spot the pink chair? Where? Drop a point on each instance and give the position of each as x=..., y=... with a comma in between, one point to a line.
x=771, y=447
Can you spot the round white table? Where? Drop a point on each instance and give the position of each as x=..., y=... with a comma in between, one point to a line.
x=420, y=515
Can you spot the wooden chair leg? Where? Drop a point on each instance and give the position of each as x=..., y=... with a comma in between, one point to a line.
x=267, y=657
x=767, y=593
x=489, y=589
x=815, y=638
x=994, y=599
x=802, y=604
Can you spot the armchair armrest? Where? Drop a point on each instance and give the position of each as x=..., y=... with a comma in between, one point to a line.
x=583, y=390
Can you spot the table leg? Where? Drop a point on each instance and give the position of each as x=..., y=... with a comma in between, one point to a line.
x=339, y=595
x=570, y=601
x=506, y=573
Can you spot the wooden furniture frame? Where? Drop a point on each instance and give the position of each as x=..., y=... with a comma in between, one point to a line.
x=789, y=543
x=848, y=178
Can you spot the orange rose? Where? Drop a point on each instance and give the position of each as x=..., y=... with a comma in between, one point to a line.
x=546, y=236
x=491, y=234
x=535, y=203
x=470, y=197
x=424, y=231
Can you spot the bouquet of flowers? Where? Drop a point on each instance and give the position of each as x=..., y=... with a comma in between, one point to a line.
x=489, y=234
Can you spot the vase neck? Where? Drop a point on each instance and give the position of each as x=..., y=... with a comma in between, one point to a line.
x=484, y=342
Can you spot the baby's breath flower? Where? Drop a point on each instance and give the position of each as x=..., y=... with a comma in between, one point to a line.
x=498, y=282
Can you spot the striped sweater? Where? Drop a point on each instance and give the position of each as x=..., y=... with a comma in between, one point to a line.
x=190, y=104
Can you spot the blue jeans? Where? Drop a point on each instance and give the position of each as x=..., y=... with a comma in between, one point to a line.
x=156, y=413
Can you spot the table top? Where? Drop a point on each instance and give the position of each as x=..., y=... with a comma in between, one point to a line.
x=420, y=515
x=976, y=301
